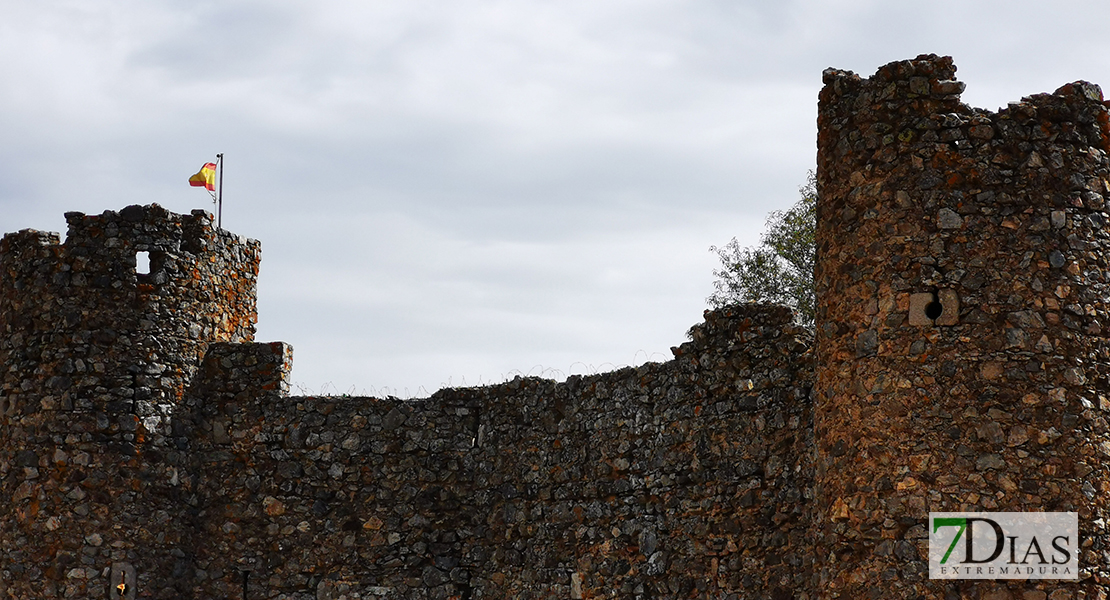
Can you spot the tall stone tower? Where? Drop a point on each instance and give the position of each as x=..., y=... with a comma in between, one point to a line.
x=962, y=289
x=96, y=352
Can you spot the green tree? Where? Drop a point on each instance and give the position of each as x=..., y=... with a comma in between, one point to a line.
x=780, y=269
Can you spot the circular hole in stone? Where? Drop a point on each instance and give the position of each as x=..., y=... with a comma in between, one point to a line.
x=933, y=310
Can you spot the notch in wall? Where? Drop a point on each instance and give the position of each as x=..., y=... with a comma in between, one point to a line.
x=937, y=308
x=149, y=266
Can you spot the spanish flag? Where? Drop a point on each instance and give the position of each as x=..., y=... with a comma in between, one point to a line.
x=206, y=177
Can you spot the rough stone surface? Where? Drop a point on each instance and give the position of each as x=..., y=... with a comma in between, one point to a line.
x=94, y=362
x=151, y=450
x=687, y=478
x=172, y=461
x=991, y=405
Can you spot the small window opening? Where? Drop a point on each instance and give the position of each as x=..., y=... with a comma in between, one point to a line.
x=142, y=262
x=246, y=576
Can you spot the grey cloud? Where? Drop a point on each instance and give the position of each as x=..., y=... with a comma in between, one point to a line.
x=449, y=190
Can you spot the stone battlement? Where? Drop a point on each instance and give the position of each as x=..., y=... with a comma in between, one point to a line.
x=80, y=319
x=151, y=450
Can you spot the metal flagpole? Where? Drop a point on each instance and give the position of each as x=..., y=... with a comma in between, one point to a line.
x=220, y=194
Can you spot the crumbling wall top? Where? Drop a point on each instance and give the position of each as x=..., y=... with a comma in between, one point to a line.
x=120, y=313
x=149, y=228
x=961, y=286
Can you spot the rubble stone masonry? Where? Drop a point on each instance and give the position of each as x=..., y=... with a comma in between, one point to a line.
x=94, y=361
x=149, y=447
x=962, y=287
x=682, y=479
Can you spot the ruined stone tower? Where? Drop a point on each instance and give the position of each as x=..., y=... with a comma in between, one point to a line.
x=96, y=357
x=962, y=287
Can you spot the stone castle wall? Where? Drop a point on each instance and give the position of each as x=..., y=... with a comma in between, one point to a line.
x=962, y=287
x=151, y=450
x=687, y=478
x=94, y=360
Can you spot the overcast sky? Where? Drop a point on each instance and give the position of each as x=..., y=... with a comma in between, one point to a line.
x=457, y=192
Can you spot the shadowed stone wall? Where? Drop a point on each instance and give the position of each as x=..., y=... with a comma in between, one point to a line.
x=134, y=469
x=682, y=479
x=962, y=289
x=94, y=360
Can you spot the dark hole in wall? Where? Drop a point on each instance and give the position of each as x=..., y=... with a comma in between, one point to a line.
x=122, y=581
x=933, y=310
x=121, y=588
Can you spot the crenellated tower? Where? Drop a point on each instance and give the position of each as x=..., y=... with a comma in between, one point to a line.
x=962, y=305
x=99, y=338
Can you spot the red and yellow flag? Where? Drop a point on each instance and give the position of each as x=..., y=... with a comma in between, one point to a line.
x=206, y=177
